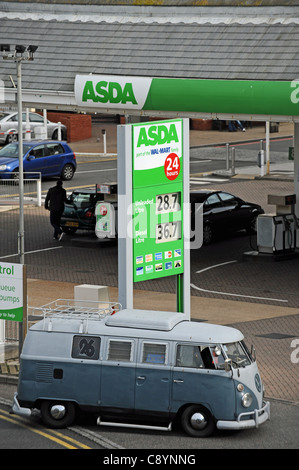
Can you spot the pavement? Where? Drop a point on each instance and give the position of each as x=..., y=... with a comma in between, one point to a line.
x=273, y=329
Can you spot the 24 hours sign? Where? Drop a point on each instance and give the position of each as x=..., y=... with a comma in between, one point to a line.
x=157, y=199
x=11, y=291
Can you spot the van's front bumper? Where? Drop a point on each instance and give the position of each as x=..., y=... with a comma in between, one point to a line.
x=251, y=419
x=18, y=410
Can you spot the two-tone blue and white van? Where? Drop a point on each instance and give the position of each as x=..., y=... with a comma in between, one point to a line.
x=139, y=368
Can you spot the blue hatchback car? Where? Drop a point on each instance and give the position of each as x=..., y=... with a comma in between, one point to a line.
x=50, y=158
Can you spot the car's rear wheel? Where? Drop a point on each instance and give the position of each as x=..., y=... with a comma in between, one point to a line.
x=55, y=135
x=252, y=228
x=67, y=172
x=207, y=234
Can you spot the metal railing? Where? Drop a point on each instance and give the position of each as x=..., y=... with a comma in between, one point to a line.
x=9, y=194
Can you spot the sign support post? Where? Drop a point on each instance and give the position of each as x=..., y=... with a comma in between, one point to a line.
x=153, y=207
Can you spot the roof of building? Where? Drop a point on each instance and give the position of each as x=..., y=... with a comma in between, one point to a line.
x=258, y=43
x=107, y=37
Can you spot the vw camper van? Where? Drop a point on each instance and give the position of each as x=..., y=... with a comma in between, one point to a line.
x=138, y=368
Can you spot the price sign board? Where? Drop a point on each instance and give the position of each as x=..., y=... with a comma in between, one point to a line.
x=157, y=196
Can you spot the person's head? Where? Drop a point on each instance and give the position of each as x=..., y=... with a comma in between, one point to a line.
x=59, y=183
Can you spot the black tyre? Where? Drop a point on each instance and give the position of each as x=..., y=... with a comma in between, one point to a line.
x=67, y=172
x=15, y=175
x=207, y=234
x=55, y=135
x=58, y=414
x=252, y=226
x=197, y=421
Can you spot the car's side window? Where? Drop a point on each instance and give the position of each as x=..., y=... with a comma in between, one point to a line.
x=38, y=152
x=35, y=118
x=212, y=201
x=54, y=149
x=228, y=199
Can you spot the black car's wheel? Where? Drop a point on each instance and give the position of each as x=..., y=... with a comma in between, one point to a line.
x=58, y=414
x=207, y=234
x=252, y=228
x=197, y=421
x=67, y=172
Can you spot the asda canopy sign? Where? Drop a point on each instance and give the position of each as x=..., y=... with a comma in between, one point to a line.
x=188, y=95
x=111, y=91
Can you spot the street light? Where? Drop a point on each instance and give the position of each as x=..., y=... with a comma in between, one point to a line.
x=19, y=54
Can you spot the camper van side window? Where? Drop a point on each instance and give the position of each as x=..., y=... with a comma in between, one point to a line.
x=119, y=350
x=189, y=356
x=154, y=353
x=86, y=347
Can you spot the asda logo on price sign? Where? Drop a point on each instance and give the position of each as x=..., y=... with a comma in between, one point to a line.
x=157, y=152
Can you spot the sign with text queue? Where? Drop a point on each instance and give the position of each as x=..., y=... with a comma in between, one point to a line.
x=157, y=196
x=11, y=291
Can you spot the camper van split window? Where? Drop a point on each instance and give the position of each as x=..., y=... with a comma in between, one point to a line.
x=154, y=353
x=120, y=351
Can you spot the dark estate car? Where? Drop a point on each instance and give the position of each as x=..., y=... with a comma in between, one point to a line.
x=79, y=213
x=50, y=158
x=222, y=213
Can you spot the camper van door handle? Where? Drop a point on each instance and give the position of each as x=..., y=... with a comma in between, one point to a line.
x=141, y=377
x=177, y=381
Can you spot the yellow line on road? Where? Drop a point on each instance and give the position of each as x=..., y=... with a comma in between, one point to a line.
x=20, y=422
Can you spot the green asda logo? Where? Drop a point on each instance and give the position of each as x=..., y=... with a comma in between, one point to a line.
x=157, y=135
x=108, y=92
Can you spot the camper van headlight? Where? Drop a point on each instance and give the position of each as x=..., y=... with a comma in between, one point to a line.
x=3, y=167
x=246, y=400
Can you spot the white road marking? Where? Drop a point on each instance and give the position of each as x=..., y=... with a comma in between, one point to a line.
x=228, y=293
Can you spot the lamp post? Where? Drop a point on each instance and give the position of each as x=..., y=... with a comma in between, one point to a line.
x=19, y=54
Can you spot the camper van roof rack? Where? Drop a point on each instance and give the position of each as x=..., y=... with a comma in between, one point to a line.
x=79, y=309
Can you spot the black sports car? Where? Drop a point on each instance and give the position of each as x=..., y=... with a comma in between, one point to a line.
x=222, y=213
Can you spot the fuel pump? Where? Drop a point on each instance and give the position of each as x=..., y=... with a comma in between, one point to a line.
x=278, y=233
x=105, y=211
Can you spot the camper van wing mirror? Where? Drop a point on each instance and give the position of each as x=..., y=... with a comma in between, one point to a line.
x=227, y=365
x=252, y=352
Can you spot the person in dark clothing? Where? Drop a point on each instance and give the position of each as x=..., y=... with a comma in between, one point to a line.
x=55, y=199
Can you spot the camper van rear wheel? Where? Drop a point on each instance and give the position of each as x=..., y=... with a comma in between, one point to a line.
x=57, y=414
x=197, y=421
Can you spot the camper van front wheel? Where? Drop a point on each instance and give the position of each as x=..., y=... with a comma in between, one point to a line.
x=57, y=414
x=197, y=421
